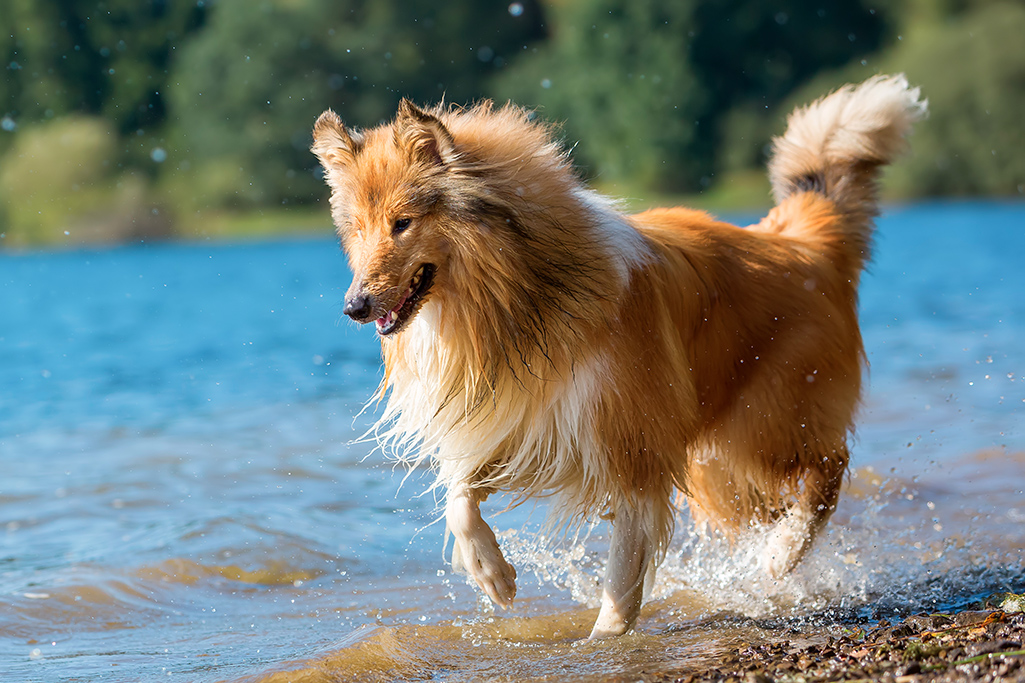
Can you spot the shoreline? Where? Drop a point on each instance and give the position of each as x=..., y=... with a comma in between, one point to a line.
x=982, y=644
x=315, y=220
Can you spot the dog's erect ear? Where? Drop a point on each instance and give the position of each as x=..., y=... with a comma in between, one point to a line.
x=423, y=135
x=333, y=143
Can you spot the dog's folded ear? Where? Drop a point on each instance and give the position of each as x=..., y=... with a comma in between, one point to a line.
x=333, y=143
x=423, y=135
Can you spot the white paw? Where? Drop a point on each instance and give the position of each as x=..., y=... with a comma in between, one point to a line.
x=482, y=559
x=785, y=545
x=610, y=622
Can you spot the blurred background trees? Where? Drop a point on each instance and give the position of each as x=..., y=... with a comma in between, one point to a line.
x=125, y=119
x=250, y=84
x=647, y=87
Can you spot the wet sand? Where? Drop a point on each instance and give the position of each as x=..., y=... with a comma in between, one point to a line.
x=970, y=645
x=978, y=643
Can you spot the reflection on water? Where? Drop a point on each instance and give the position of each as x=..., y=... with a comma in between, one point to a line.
x=181, y=495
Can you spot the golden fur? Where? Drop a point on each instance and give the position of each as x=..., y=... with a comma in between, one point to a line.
x=612, y=361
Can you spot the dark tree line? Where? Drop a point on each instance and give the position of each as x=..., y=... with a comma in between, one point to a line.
x=167, y=108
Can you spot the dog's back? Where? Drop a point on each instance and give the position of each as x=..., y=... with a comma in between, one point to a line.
x=767, y=317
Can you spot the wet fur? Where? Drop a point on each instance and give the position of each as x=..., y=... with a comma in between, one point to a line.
x=616, y=362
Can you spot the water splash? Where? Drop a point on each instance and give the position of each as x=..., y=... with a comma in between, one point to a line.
x=564, y=566
x=892, y=549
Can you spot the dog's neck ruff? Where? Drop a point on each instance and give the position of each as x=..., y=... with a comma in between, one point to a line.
x=504, y=397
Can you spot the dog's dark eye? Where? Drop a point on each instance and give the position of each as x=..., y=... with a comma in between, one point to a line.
x=401, y=224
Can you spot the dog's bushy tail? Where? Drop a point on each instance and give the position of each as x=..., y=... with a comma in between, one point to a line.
x=836, y=145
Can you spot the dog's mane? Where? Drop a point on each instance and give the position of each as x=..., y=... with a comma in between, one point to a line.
x=539, y=263
x=532, y=247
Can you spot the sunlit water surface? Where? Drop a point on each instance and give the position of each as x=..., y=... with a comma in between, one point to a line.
x=182, y=497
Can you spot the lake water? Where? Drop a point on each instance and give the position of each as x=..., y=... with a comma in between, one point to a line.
x=182, y=497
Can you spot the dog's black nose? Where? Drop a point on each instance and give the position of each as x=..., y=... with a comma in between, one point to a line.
x=358, y=308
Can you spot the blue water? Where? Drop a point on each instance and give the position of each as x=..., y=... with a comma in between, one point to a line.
x=943, y=313
x=141, y=337
x=181, y=494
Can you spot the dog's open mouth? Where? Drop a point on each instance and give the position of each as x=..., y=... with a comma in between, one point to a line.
x=409, y=302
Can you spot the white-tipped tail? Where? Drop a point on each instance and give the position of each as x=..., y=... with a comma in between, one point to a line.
x=838, y=142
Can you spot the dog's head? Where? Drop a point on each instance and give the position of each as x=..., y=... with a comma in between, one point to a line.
x=387, y=186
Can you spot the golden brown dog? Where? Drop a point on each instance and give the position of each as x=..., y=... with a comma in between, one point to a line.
x=538, y=341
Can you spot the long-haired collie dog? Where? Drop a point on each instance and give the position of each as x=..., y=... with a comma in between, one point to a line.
x=539, y=341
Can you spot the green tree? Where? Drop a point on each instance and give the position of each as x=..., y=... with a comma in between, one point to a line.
x=617, y=75
x=84, y=84
x=972, y=68
x=104, y=58
x=247, y=89
x=646, y=87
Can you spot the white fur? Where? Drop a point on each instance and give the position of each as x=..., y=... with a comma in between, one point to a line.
x=553, y=417
x=865, y=122
x=626, y=247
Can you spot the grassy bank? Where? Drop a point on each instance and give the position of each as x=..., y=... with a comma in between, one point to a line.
x=261, y=223
x=141, y=221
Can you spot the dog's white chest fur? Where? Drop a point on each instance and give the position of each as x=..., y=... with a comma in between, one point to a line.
x=532, y=435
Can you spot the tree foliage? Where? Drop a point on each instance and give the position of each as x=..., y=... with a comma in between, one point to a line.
x=208, y=104
x=249, y=86
x=104, y=58
x=645, y=86
x=617, y=75
x=972, y=69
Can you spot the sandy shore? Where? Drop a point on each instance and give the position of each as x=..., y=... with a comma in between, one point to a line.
x=971, y=645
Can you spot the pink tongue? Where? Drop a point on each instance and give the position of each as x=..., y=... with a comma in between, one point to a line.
x=384, y=320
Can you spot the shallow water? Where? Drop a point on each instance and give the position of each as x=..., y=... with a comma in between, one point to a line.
x=182, y=496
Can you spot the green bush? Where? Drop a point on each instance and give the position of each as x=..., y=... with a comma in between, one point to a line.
x=617, y=75
x=972, y=69
x=247, y=88
x=59, y=184
x=970, y=65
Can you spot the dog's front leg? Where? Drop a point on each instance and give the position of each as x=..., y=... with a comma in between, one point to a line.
x=630, y=557
x=476, y=549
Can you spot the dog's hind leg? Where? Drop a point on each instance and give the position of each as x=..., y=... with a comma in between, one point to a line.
x=476, y=549
x=793, y=534
x=631, y=561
